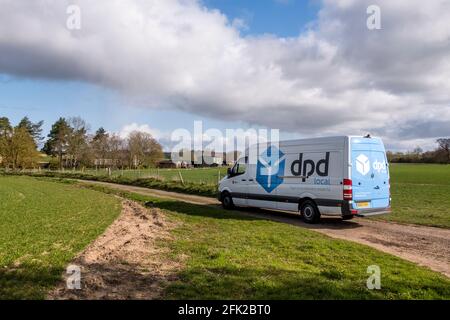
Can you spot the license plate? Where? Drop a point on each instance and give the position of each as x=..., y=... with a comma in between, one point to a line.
x=363, y=204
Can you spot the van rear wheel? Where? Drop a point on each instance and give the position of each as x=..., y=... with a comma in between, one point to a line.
x=227, y=201
x=309, y=212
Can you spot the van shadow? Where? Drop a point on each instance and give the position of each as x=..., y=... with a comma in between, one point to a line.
x=248, y=214
x=199, y=210
x=296, y=219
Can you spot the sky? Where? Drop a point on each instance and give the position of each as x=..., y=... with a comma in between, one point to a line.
x=309, y=68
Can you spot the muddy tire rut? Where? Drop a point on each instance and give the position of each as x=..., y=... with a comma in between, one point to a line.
x=125, y=262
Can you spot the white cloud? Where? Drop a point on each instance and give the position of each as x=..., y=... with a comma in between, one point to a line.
x=338, y=77
x=132, y=127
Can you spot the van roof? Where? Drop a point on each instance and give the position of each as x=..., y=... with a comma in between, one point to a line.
x=321, y=140
x=325, y=139
x=316, y=140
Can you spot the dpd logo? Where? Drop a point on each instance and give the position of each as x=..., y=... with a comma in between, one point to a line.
x=362, y=164
x=270, y=168
x=379, y=166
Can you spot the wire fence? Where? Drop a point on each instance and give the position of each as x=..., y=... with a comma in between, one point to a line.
x=207, y=176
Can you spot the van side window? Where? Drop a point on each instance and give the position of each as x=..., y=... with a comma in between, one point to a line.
x=239, y=168
x=242, y=166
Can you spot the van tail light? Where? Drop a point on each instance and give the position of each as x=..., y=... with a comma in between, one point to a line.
x=348, y=189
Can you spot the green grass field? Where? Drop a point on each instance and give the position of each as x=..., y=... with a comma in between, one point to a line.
x=420, y=174
x=43, y=225
x=231, y=256
x=420, y=194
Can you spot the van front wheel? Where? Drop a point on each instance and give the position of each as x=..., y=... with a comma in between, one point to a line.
x=227, y=201
x=309, y=212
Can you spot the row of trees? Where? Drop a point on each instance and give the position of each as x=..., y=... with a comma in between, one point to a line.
x=439, y=155
x=71, y=146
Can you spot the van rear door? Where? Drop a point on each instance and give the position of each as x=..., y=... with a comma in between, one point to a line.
x=370, y=174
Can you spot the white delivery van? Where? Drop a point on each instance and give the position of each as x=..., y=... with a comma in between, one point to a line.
x=338, y=176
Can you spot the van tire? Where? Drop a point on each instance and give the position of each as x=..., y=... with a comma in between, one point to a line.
x=227, y=201
x=309, y=212
x=349, y=217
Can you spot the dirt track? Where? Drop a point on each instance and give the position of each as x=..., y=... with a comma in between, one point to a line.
x=124, y=262
x=426, y=246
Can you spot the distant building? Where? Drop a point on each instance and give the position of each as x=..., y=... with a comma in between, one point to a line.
x=199, y=159
x=212, y=161
x=230, y=158
x=104, y=162
x=169, y=164
x=207, y=159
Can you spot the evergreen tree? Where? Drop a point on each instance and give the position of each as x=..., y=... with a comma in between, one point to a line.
x=100, y=144
x=5, y=127
x=100, y=134
x=58, y=140
x=34, y=129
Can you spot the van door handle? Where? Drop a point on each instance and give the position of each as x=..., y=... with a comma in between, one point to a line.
x=377, y=188
x=251, y=180
x=243, y=180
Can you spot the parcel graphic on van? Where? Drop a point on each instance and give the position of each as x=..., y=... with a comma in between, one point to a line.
x=338, y=176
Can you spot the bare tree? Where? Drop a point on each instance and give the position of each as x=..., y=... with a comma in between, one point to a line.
x=143, y=149
x=116, y=148
x=444, y=146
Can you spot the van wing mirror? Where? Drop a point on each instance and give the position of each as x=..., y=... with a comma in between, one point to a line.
x=229, y=172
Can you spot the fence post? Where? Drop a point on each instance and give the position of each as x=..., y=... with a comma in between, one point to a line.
x=181, y=178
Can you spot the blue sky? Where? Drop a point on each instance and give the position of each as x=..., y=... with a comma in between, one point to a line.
x=284, y=18
x=47, y=100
